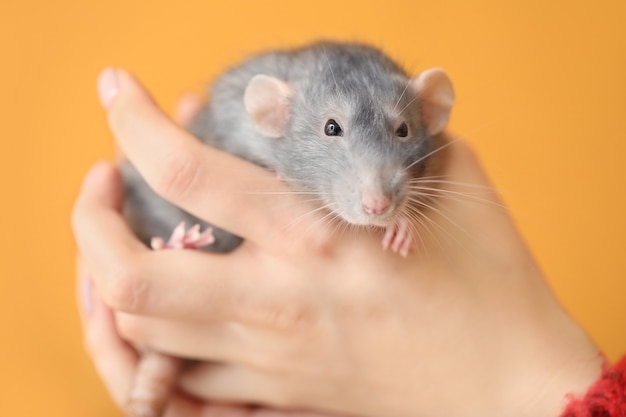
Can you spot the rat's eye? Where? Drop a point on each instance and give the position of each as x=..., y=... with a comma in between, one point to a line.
x=332, y=128
x=402, y=131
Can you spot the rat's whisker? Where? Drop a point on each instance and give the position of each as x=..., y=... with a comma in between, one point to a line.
x=330, y=67
x=401, y=95
x=431, y=153
x=417, y=224
x=331, y=219
x=422, y=223
x=432, y=207
x=341, y=227
x=287, y=192
x=408, y=104
x=300, y=218
x=437, y=180
x=443, y=230
x=453, y=195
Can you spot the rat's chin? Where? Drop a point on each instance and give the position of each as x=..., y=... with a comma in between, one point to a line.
x=364, y=219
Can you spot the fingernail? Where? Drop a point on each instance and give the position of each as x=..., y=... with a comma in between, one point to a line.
x=107, y=86
x=86, y=294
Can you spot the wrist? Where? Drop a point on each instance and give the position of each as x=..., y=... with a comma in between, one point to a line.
x=565, y=364
x=544, y=356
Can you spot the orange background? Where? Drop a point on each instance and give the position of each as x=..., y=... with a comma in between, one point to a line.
x=541, y=89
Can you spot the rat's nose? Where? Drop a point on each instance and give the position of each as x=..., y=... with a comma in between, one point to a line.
x=376, y=205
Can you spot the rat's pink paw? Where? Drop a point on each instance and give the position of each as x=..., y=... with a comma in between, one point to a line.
x=399, y=237
x=181, y=239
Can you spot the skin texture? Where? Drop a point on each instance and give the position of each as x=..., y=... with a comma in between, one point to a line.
x=301, y=318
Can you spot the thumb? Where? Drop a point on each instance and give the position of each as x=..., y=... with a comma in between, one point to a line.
x=137, y=122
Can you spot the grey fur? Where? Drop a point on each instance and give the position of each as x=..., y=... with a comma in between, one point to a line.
x=357, y=85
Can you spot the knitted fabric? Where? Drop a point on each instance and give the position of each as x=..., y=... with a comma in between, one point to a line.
x=605, y=398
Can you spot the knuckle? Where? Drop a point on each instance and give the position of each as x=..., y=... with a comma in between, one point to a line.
x=314, y=242
x=178, y=176
x=283, y=317
x=321, y=245
x=126, y=289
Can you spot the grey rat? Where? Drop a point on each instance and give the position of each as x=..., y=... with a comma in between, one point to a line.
x=339, y=120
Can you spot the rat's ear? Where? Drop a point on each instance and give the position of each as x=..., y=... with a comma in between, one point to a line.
x=437, y=94
x=267, y=101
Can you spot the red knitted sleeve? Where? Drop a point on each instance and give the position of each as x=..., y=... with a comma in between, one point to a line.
x=605, y=398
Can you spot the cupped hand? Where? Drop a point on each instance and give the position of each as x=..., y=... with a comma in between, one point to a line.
x=302, y=316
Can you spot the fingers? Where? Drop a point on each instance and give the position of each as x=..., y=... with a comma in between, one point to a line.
x=236, y=384
x=218, y=341
x=114, y=359
x=209, y=183
x=133, y=279
x=185, y=407
x=116, y=362
x=216, y=410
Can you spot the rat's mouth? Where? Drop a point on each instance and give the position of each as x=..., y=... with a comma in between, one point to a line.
x=364, y=219
x=359, y=212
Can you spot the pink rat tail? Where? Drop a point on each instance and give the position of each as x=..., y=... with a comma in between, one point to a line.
x=154, y=381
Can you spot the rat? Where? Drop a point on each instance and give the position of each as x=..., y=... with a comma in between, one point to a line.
x=340, y=121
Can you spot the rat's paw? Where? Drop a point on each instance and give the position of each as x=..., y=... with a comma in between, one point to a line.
x=399, y=237
x=181, y=239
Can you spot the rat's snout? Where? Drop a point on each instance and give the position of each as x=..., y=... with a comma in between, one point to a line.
x=379, y=194
x=375, y=204
x=369, y=193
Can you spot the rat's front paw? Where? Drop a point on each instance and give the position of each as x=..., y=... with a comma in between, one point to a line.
x=182, y=239
x=399, y=237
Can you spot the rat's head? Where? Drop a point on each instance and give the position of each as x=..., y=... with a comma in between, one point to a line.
x=354, y=134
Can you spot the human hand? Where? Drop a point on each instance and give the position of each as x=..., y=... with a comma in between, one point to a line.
x=300, y=317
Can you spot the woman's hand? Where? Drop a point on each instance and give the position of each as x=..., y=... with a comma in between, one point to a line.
x=301, y=317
